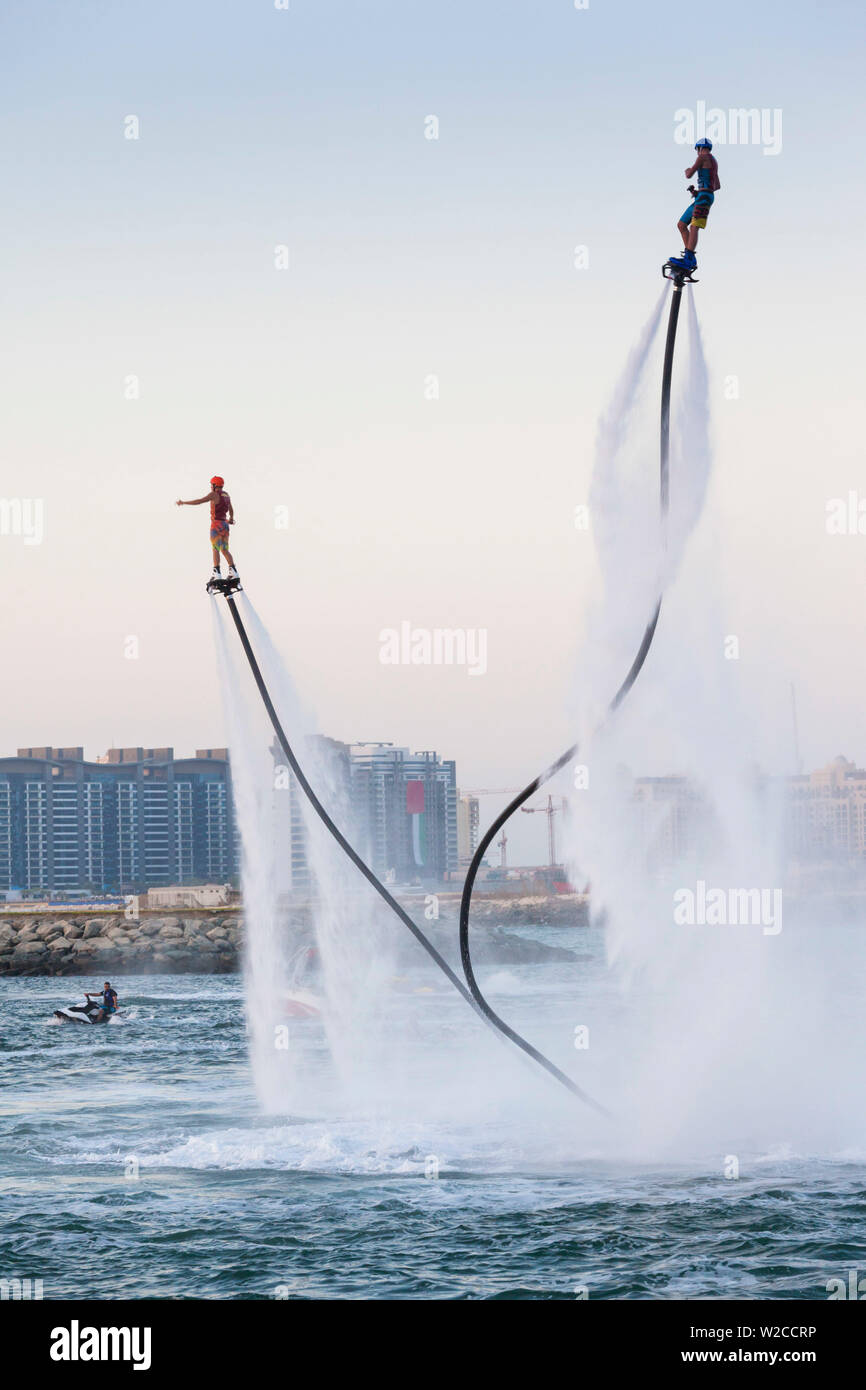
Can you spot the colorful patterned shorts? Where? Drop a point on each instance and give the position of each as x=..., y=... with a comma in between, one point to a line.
x=696, y=213
x=219, y=536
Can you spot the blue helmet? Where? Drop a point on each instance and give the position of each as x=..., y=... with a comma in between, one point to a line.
x=704, y=145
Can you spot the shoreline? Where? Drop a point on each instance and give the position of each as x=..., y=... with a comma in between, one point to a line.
x=210, y=940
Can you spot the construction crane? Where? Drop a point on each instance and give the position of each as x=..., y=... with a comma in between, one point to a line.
x=502, y=843
x=550, y=811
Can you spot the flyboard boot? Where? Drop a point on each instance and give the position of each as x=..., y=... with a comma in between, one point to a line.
x=681, y=268
x=230, y=585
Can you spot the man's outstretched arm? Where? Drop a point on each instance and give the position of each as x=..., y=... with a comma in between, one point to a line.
x=196, y=501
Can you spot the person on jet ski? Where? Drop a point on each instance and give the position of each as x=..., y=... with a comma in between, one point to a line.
x=108, y=1003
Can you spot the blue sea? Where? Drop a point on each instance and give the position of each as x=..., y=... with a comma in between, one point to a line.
x=137, y=1161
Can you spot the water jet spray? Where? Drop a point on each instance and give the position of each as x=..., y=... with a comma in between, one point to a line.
x=471, y=991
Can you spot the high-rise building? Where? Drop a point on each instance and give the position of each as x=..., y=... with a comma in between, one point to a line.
x=672, y=817
x=405, y=807
x=827, y=813
x=467, y=828
x=328, y=766
x=139, y=818
x=397, y=809
x=136, y=818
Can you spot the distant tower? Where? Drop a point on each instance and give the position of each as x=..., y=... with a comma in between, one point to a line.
x=502, y=846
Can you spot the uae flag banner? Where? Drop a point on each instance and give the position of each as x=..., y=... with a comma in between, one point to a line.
x=415, y=806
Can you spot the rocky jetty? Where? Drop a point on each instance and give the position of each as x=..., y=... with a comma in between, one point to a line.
x=210, y=941
x=203, y=943
x=554, y=910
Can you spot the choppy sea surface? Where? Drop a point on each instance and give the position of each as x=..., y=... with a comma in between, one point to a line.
x=137, y=1162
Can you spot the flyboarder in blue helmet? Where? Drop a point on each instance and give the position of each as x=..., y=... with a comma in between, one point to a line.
x=706, y=168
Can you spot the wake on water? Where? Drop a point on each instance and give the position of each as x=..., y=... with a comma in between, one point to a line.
x=689, y=1057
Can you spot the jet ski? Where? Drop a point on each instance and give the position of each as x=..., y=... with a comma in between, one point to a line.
x=302, y=1003
x=82, y=1013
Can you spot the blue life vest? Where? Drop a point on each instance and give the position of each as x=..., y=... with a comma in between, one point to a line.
x=705, y=180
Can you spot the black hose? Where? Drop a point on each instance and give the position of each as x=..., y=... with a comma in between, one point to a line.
x=326, y=819
x=368, y=872
x=561, y=762
x=473, y=995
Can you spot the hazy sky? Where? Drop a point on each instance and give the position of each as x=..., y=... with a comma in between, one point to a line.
x=154, y=258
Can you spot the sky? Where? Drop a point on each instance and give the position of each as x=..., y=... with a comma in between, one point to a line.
x=405, y=414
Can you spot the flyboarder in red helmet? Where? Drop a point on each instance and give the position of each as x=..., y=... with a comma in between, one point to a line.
x=222, y=516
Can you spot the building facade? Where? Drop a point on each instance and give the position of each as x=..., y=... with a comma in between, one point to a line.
x=140, y=818
x=468, y=819
x=827, y=813
x=137, y=818
x=327, y=764
x=405, y=809
x=672, y=819
x=824, y=814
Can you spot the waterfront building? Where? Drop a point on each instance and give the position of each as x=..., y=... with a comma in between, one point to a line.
x=405, y=809
x=827, y=813
x=468, y=820
x=139, y=818
x=133, y=819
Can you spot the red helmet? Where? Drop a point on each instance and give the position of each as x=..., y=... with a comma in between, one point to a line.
x=216, y=482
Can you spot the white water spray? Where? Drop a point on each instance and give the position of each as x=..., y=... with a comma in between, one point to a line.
x=725, y=1040
x=265, y=947
x=353, y=941
x=626, y=528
